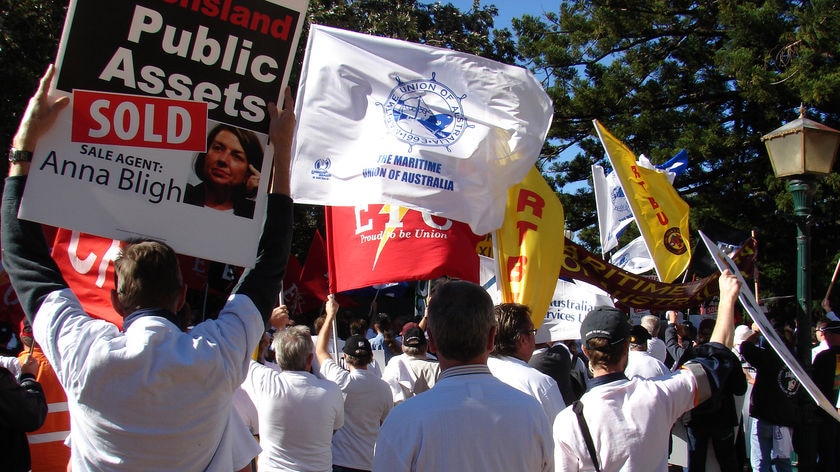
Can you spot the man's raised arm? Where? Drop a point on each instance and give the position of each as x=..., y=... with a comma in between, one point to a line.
x=262, y=283
x=26, y=257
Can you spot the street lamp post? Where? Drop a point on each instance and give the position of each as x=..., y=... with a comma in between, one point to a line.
x=802, y=150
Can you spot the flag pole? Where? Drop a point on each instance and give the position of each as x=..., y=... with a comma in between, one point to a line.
x=833, y=279
x=755, y=269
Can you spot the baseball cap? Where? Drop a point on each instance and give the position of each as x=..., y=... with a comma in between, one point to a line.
x=407, y=327
x=357, y=346
x=605, y=322
x=414, y=337
x=639, y=335
x=742, y=332
x=833, y=326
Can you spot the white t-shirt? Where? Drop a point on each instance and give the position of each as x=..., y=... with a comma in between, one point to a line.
x=298, y=414
x=656, y=348
x=367, y=401
x=469, y=422
x=139, y=399
x=642, y=364
x=521, y=376
x=630, y=423
x=408, y=376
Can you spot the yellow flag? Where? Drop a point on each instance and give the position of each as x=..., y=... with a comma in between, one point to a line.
x=659, y=211
x=530, y=245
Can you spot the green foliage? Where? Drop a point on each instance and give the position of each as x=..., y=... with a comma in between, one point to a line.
x=709, y=77
x=29, y=33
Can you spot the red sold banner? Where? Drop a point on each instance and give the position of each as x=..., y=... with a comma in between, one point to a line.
x=136, y=120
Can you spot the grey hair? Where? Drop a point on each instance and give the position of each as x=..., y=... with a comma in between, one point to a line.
x=651, y=324
x=292, y=347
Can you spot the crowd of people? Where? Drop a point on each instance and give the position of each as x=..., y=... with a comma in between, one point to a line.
x=467, y=387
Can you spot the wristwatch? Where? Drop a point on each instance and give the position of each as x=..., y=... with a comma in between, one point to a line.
x=16, y=155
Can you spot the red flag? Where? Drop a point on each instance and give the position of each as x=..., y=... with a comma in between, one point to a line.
x=313, y=276
x=378, y=244
x=292, y=296
x=86, y=262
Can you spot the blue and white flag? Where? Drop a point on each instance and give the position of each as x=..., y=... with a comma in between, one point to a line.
x=388, y=121
x=634, y=257
x=613, y=210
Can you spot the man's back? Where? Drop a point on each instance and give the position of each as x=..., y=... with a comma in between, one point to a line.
x=470, y=421
x=156, y=367
x=408, y=376
x=642, y=364
x=521, y=376
x=630, y=422
x=367, y=401
x=298, y=414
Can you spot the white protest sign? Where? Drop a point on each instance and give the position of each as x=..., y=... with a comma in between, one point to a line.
x=757, y=314
x=167, y=130
x=569, y=305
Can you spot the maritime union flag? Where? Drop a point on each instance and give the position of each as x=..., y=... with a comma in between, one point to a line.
x=388, y=121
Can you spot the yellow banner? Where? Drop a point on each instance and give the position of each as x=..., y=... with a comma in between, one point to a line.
x=659, y=211
x=530, y=245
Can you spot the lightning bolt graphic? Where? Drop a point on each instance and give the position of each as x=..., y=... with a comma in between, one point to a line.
x=389, y=228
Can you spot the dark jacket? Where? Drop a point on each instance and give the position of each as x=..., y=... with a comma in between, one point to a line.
x=775, y=394
x=23, y=408
x=556, y=362
x=244, y=207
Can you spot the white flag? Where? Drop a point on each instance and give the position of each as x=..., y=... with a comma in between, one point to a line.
x=613, y=210
x=388, y=121
x=634, y=257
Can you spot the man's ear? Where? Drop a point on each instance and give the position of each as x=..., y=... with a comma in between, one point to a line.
x=182, y=299
x=115, y=302
x=491, y=339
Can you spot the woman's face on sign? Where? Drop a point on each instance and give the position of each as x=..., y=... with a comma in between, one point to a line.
x=226, y=163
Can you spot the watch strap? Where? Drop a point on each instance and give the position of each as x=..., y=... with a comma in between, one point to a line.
x=16, y=155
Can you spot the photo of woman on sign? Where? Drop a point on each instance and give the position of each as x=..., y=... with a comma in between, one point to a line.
x=229, y=171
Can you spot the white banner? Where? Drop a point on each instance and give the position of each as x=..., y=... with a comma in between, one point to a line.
x=570, y=304
x=388, y=121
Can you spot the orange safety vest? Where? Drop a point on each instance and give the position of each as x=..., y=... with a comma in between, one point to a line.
x=46, y=444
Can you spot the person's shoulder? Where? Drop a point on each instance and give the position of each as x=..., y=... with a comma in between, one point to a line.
x=827, y=356
x=244, y=207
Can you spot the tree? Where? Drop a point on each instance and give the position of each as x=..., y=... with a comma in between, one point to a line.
x=29, y=32
x=708, y=77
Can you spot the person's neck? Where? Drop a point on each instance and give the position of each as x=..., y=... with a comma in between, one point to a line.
x=447, y=363
x=601, y=371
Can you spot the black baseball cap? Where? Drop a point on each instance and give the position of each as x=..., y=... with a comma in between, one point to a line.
x=357, y=346
x=605, y=322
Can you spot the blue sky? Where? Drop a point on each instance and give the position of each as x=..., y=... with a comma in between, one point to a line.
x=510, y=8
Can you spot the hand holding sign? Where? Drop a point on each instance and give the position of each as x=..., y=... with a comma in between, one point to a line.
x=40, y=114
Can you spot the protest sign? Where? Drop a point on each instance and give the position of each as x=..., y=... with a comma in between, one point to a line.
x=723, y=262
x=166, y=135
x=571, y=302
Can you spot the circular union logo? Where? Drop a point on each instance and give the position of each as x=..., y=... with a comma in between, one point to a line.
x=674, y=241
x=323, y=164
x=424, y=112
x=787, y=382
